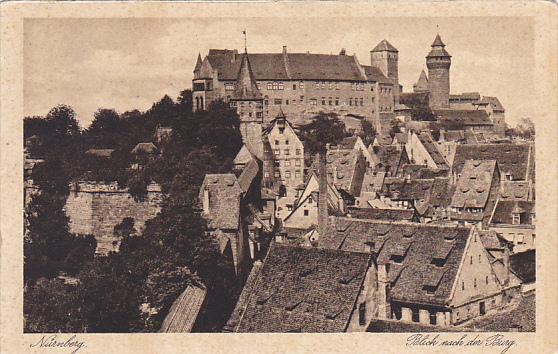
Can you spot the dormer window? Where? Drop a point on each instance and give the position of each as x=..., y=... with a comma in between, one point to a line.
x=397, y=258
x=515, y=219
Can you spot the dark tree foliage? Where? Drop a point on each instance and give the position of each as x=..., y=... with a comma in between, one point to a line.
x=394, y=128
x=323, y=129
x=131, y=291
x=368, y=132
x=524, y=130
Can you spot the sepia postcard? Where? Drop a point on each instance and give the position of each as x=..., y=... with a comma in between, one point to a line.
x=278, y=177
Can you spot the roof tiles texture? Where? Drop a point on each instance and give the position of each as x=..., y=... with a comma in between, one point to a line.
x=302, y=289
x=409, y=248
x=473, y=187
x=224, y=200
x=503, y=213
x=184, y=311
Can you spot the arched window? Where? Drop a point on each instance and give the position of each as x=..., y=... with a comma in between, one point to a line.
x=201, y=103
x=197, y=103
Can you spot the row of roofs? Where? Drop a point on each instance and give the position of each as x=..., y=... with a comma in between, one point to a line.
x=289, y=66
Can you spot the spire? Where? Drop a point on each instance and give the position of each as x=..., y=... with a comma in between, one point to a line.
x=438, y=42
x=246, y=88
x=422, y=83
x=281, y=114
x=384, y=46
x=198, y=63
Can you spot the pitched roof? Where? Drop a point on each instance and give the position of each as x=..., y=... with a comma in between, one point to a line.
x=415, y=99
x=473, y=187
x=441, y=192
x=198, y=63
x=384, y=46
x=144, y=148
x=343, y=166
x=288, y=66
x=515, y=190
x=382, y=214
x=184, y=310
x=224, y=200
x=301, y=289
x=490, y=240
x=463, y=117
x=468, y=96
x=431, y=147
x=248, y=174
x=422, y=82
x=244, y=156
x=414, y=189
x=376, y=75
x=390, y=157
x=524, y=265
x=438, y=48
x=417, y=245
x=505, y=209
x=494, y=103
x=372, y=181
x=438, y=41
x=245, y=86
x=512, y=158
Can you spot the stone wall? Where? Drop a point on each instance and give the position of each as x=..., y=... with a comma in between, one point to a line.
x=95, y=208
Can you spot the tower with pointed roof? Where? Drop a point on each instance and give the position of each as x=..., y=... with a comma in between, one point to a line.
x=386, y=58
x=438, y=62
x=422, y=83
x=248, y=101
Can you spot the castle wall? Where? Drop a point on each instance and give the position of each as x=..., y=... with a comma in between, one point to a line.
x=438, y=82
x=96, y=208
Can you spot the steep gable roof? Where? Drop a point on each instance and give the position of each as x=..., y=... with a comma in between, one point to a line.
x=245, y=86
x=144, y=148
x=503, y=213
x=410, y=249
x=374, y=74
x=343, y=169
x=431, y=147
x=224, y=200
x=511, y=158
x=301, y=289
x=384, y=46
x=515, y=190
x=248, y=174
x=184, y=311
x=473, y=187
x=462, y=117
x=422, y=82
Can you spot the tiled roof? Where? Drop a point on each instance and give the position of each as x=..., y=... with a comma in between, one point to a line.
x=245, y=86
x=383, y=46
x=409, y=248
x=415, y=99
x=242, y=302
x=438, y=48
x=144, y=148
x=512, y=158
x=374, y=74
x=422, y=83
x=441, y=192
x=224, y=200
x=422, y=172
x=454, y=135
x=184, y=311
x=432, y=149
x=382, y=214
x=524, y=265
x=490, y=240
x=243, y=156
x=515, y=190
x=414, y=189
x=463, y=117
x=472, y=96
x=390, y=157
x=505, y=208
x=372, y=181
x=248, y=174
x=302, y=289
x=473, y=187
x=343, y=165
x=494, y=102
x=290, y=66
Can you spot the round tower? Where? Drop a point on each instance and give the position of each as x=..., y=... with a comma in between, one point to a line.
x=438, y=62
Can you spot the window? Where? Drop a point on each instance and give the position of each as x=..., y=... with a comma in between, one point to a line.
x=276, y=151
x=287, y=163
x=337, y=86
x=350, y=101
x=301, y=99
x=362, y=314
x=280, y=85
x=259, y=114
x=286, y=102
x=287, y=174
x=275, y=86
x=297, y=174
x=515, y=219
x=266, y=174
x=317, y=85
x=471, y=262
x=486, y=280
x=433, y=317
x=229, y=86
x=415, y=314
x=278, y=101
x=294, y=86
x=298, y=151
x=269, y=86
x=313, y=101
x=322, y=85
x=301, y=86
x=323, y=101
x=337, y=101
x=330, y=101
x=277, y=174
x=479, y=258
x=362, y=102
x=305, y=212
x=457, y=315
x=462, y=285
x=331, y=85
x=475, y=283
x=297, y=162
x=276, y=142
x=287, y=152
x=286, y=142
x=520, y=239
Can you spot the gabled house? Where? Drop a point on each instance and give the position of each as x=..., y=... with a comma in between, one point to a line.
x=476, y=192
x=435, y=275
x=514, y=221
x=422, y=150
x=346, y=169
x=389, y=159
x=300, y=289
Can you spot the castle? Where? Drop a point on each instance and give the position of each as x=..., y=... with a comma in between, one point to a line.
x=301, y=85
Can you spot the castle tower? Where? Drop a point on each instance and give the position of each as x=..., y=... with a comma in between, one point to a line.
x=438, y=62
x=248, y=101
x=197, y=68
x=422, y=83
x=385, y=57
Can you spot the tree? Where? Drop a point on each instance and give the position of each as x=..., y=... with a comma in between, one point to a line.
x=323, y=129
x=105, y=130
x=525, y=129
x=368, y=132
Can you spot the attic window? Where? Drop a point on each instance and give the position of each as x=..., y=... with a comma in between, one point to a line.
x=397, y=258
x=430, y=290
x=438, y=262
x=346, y=279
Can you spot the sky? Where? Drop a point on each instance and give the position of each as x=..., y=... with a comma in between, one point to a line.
x=130, y=63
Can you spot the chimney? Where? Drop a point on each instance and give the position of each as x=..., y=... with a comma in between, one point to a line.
x=206, y=201
x=322, y=196
x=506, y=261
x=284, y=49
x=343, y=52
x=384, y=307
